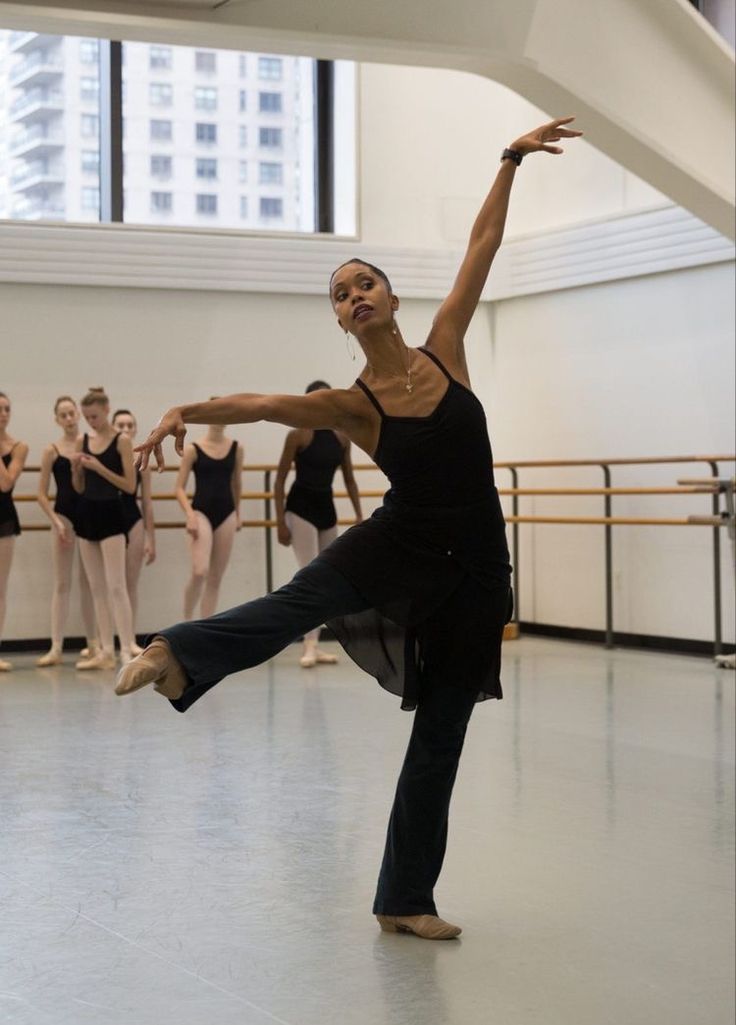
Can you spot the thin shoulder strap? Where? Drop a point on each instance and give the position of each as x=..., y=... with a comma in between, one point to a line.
x=85, y=443
x=435, y=360
x=366, y=390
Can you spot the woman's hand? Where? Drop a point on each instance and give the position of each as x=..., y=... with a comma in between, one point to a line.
x=540, y=138
x=62, y=532
x=149, y=550
x=89, y=462
x=193, y=526
x=284, y=534
x=170, y=423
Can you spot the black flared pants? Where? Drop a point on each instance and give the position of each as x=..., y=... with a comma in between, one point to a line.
x=249, y=634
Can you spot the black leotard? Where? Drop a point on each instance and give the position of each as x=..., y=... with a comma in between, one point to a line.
x=310, y=496
x=213, y=492
x=440, y=524
x=9, y=524
x=66, y=502
x=100, y=506
x=131, y=509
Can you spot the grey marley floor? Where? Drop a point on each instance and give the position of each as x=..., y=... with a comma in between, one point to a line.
x=217, y=868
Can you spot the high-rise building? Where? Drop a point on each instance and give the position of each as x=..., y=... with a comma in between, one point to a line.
x=212, y=138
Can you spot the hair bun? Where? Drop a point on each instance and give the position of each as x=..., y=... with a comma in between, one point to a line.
x=98, y=390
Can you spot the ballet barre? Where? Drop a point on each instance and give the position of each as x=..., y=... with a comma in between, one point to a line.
x=716, y=487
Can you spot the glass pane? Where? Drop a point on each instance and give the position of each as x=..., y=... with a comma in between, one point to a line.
x=49, y=127
x=196, y=119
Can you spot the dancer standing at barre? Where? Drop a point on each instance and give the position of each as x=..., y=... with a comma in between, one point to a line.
x=307, y=519
x=57, y=462
x=102, y=467
x=213, y=515
x=140, y=528
x=420, y=592
x=13, y=455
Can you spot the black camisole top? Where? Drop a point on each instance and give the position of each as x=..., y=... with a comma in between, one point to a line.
x=96, y=488
x=9, y=523
x=440, y=522
x=66, y=501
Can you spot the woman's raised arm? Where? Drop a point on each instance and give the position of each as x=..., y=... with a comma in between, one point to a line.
x=455, y=313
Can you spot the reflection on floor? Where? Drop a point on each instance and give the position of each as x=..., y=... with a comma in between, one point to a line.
x=217, y=868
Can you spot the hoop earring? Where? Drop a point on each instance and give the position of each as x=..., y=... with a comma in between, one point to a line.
x=349, y=345
x=395, y=328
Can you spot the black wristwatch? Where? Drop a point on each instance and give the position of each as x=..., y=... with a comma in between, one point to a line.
x=512, y=154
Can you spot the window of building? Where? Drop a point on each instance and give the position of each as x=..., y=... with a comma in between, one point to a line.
x=205, y=97
x=89, y=51
x=205, y=60
x=161, y=131
x=270, y=173
x=161, y=94
x=162, y=202
x=205, y=132
x=269, y=103
x=206, y=203
x=270, y=67
x=271, y=137
x=161, y=166
x=160, y=58
x=243, y=101
x=206, y=167
x=242, y=136
x=242, y=65
x=90, y=198
x=243, y=207
x=243, y=171
x=271, y=207
x=89, y=89
x=90, y=126
x=90, y=161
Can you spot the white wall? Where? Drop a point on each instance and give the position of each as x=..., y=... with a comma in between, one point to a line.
x=637, y=367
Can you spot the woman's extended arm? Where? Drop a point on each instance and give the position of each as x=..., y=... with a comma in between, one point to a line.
x=349, y=477
x=327, y=408
x=47, y=461
x=455, y=313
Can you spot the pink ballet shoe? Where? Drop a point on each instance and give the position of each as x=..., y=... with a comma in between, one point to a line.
x=102, y=660
x=427, y=927
x=325, y=659
x=51, y=658
x=5, y=667
x=155, y=665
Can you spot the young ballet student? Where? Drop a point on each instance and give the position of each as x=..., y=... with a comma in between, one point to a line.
x=418, y=593
x=213, y=514
x=56, y=461
x=13, y=455
x=102, y=467
x=139, y=522
x=306, y=518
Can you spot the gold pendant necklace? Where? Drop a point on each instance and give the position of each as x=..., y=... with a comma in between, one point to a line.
x=409, y=386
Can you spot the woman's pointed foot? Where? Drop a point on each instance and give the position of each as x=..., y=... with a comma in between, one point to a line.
x=155, y=665
x=5, y=667
x=427, y=927
x=324, y=658
x=102, y=660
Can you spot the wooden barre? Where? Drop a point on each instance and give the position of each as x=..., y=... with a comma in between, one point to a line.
x=606, y=521
x=525, y=464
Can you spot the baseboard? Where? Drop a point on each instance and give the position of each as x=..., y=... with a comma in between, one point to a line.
x=648, y=642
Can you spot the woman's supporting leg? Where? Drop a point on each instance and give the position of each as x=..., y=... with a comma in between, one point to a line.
x=305, y=542
x=94, y=569
x=113, y=557
x=133, y=564
x=7, y=546
x=87, y=607
x=417, y=829
x=210, y=649
x=200, y=549
x=62, y=562
x=222, y=546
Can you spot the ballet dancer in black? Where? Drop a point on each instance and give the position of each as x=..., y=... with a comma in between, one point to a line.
x=306, y=518
x=419, y=593
x=213, y=514
x=13, y=455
